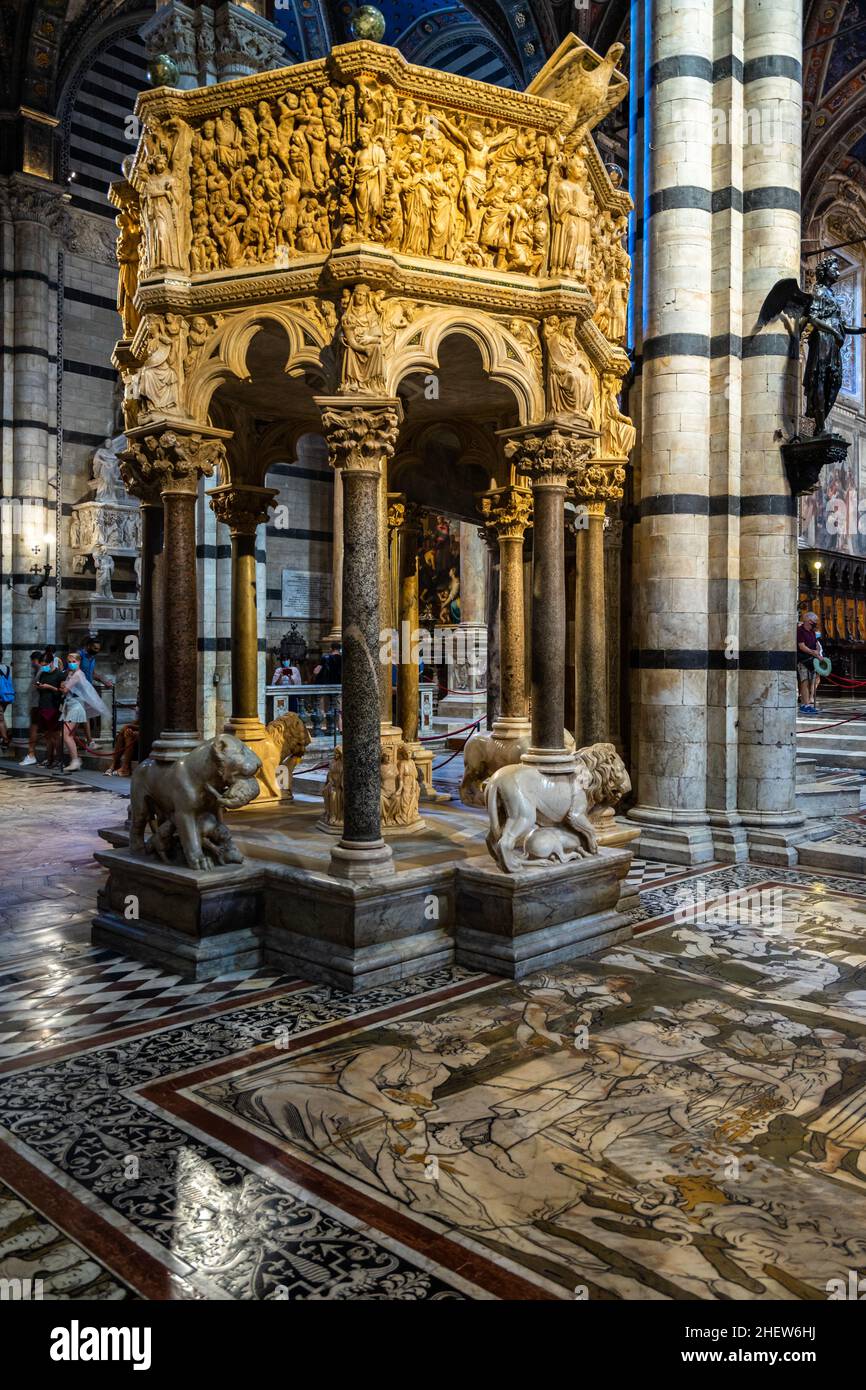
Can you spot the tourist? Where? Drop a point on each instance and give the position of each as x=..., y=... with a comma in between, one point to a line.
x=125, y=749
x=48, y=682
x=286, y=674
x=90, y=650
x=7, y=696
x=80, y=703
x=330, y=669
x=35, y=668
x=808, y=648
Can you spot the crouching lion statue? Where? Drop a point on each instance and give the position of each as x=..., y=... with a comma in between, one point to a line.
x=553, y=820
x=286, y=744
x=183, y=803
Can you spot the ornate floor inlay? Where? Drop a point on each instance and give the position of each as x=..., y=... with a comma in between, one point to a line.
x=681, y=1116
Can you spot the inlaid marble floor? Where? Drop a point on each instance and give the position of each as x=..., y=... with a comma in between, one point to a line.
x=682, y=1116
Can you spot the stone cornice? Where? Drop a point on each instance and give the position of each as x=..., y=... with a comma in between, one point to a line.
x=497, y=291
x=346, y=62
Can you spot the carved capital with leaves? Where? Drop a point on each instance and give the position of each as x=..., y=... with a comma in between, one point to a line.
x=360, y=438
x=242, y=509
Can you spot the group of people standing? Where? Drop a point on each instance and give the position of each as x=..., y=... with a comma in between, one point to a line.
x=63, y=700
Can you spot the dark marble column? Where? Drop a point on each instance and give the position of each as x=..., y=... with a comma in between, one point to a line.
x=590, y=629
x=551, y=453
x=151, y=687
x=361, y=433
x=171, y=458
x=242, y=508
x=507, y=513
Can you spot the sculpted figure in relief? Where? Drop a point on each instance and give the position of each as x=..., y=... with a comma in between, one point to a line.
x=569, y=375
x=361, y=335
x=572, y=210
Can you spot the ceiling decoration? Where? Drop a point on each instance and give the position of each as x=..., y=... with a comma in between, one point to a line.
x=834, y=99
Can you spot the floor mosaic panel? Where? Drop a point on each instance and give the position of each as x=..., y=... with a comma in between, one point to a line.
x=682, y=1116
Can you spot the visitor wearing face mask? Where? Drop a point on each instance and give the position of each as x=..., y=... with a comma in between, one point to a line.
x=80, y=703
x=48, y=682
x=35, y=668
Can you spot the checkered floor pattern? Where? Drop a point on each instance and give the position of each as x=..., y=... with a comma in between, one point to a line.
x=46, y=1006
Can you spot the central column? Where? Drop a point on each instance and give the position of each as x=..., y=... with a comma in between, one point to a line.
x=590, y=635
x=552, y=453
x=242, y=509
x=336, y=633
x=173, y=457
x=361, y=438
x=151, y=652
x=507, y=513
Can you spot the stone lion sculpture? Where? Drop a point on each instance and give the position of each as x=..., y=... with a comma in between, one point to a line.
x=183, y=803
x=484, y=754
x=288, y=737
x=609, y=780
x=545, y=818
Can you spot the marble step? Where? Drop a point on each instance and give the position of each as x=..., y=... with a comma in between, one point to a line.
x=832, y=857
x=828, y=798
x=843, y=746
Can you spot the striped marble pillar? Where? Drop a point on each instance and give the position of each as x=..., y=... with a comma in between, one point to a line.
x=772, y=96
x=672, y=634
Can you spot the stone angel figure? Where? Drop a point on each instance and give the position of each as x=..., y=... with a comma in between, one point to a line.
x=818, y=317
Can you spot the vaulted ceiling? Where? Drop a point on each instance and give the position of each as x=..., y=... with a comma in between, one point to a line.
x=834, y=97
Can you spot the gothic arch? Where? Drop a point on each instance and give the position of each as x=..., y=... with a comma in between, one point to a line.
x=504, y=359
x=224, y=356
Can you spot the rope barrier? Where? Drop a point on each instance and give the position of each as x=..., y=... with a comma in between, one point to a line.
x=437, y=738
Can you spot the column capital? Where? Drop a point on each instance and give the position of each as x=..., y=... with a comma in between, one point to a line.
x=507, y=512
x=396, y=511
x=551, y=453
x=361, y=431
x=168, y=456
x=602, y=481
x=240, y=507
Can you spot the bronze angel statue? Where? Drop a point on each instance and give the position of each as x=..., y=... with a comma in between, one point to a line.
x=819, y=314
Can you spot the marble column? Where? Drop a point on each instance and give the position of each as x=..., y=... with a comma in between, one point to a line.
x=243, y=509
x=173, y=457
x=407, y=540
x=613, y=620
x=151, y=650
x=361, y=433
x=767, y=714
x=389, y=730
x=551, y=453
x=336, y=633
x=590, y=628
x=674, y=319
x=507, y=513
x=466, y=698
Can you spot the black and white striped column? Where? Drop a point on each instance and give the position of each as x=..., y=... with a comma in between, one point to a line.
x=772, y=96
x=671, y=548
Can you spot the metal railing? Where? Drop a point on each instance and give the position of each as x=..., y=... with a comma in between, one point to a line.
x=321, y=708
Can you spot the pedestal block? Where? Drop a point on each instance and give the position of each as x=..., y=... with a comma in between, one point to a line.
x=514, y=924
x=196, y=925
x=356, y=936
